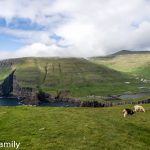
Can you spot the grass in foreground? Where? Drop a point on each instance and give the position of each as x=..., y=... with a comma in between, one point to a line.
x=75, y=128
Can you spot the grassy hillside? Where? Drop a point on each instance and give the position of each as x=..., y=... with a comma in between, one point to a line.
x=132, y=63
x=126, y=61
x=78, y=75
x=75, y=128
x=4, y=72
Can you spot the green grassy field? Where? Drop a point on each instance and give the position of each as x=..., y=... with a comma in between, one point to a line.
x=75, y=128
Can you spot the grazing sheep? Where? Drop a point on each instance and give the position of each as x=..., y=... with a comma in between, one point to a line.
x=138, y=108
x=127, y=111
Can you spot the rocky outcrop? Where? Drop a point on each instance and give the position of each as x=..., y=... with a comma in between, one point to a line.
x=6, y=87
x=27, y=94
x=10, y=87
x=147, y=101
x=43, y=97
x=78, y=103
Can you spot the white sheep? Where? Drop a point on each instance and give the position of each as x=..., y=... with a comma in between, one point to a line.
x=138, y=108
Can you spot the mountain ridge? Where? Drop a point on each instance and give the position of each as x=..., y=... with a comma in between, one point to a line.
x=121, y=52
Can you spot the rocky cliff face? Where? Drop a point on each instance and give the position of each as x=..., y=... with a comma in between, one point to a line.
x=10, y=86
x=6, y=87
x=28, y=95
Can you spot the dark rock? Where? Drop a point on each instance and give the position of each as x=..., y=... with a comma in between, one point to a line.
x=7, y=85
x=43, y=97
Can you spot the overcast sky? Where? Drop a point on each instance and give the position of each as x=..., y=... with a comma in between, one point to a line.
x=78, y=28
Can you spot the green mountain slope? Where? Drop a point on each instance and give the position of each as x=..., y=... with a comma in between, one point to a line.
x=135, y=63
x=80, y=76
x=5, y=70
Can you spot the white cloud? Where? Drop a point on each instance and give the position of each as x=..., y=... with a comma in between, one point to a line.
x=40, y=50
x=89, y=27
